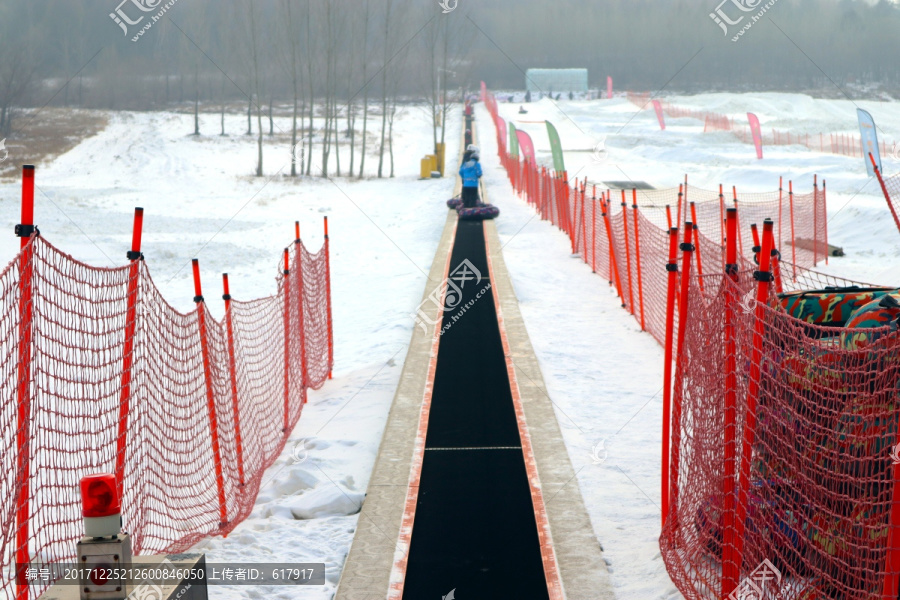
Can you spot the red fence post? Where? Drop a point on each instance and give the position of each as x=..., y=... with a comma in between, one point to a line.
x=729, y=573
x=687, y=249
x=583, y=226
x=815, y=221
x=594, y=229
x=722, y=215
x=764, y=277
x=637, y=255
x=671, y=284
x=680, y=198
x=697, y=246
x=825, y=221
x=793, y=239
x=327, y=245
x=627, y=253
x=740, y=238
x=301, y=321
x=286, y=271
x=135, y=257
x=780, y=215
x=613, y=261
x=25, y=230
x=210, y=397
x=232, y=376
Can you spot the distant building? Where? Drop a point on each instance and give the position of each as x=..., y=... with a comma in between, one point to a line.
x=556, y=80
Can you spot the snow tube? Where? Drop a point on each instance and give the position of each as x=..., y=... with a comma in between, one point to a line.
x=478, y=213
x=454, y=203
x=830, y=307
x=876, y=315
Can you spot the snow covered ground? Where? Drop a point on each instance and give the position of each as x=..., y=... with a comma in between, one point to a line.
x=201, y=200
x=603, y=375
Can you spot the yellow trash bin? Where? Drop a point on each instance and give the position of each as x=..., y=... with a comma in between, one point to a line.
x=425, y=168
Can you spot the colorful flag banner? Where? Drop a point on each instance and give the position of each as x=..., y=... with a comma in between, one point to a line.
x=526, y=145
x=556, y=148
x=657, y=106
x=869, y=138
x=513, y=149
x=757, y=133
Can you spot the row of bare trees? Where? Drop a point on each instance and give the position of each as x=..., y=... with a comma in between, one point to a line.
x=339, y=70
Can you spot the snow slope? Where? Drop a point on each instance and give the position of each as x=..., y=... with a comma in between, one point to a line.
x=603, y=375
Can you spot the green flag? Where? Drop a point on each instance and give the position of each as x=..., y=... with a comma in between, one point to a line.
x=513, y=141
x=558, y=165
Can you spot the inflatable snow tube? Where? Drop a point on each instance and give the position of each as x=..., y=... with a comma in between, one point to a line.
x=478, y=213
x=872, y=319
x=454, y=203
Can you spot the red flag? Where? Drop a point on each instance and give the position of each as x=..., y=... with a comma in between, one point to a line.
x=501, y=128
x=757, y=134
x=659, y=114
x=608, y=86
x=525, y=145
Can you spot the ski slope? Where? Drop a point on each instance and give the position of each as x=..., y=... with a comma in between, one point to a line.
x=603, y=375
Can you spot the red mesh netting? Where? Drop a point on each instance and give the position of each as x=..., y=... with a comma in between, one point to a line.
x=891, y=189
x=172, y=493
x=820, y=486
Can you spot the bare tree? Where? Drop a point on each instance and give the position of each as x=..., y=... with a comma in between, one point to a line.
x=254, y=49
x=17, y=76
x=365, y=65
x=384, y=87
x=295, y=75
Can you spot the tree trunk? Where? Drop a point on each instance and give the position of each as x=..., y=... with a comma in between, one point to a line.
x=196, y=101
x=250, y=114
x=391, y=137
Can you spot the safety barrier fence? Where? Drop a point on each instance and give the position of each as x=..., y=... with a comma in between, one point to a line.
x=780, y=451
x=831, y=143
x=98, y=373
x=623, y=233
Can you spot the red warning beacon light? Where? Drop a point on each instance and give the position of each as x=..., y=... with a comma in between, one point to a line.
x=100, y=505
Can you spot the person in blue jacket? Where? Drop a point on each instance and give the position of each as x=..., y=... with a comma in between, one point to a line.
x=470, y=172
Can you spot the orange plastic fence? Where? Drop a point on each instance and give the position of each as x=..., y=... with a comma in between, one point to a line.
x=781, y=475
x=205, y=413
x=831, y=143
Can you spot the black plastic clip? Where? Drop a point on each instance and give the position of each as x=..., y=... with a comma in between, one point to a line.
x=671, y=267
x=776, y=253
x=226, y=296
x=26, y=230
x=763, y=276
x=132, y=255
x=287, y=271
x=686, y=247
x=731, y=269
x=756, y=249
x=198, y=298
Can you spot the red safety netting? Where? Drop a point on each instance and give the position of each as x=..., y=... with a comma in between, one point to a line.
x=891, y=189
x=816, y=489
x=832, y=143
x=201, y=422
x=781, y=453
